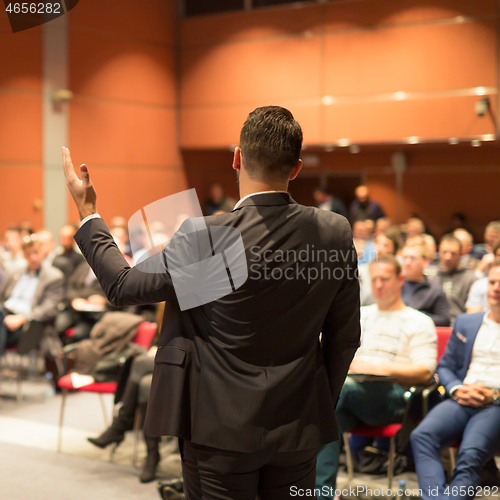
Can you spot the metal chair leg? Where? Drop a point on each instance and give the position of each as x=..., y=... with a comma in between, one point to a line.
x=61, y=417
x=452, y=463
x=392, y=453
x=137, y=437
x=348, y=455
x=103, y=406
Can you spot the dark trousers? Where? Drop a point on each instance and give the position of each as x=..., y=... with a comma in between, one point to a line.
x=370, y=403
x=448, y=423
x=214, y=474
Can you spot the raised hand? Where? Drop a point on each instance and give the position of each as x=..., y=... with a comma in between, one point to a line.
x=82, y=191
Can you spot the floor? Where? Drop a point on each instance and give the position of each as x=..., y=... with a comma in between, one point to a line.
x=32, y=469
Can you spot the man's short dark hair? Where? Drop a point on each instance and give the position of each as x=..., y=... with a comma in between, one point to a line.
x=388, y=259
x=495, y=264
x=496, y=247
x=270, y=143
x=449, y=238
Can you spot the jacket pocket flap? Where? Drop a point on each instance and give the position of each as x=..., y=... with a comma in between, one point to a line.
x=170, y=355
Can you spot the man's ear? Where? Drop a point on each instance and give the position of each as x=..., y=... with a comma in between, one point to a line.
x=296, y=170
x=237, y=158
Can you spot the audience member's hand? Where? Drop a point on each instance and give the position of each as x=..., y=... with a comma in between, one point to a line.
x=79, y=304
x=364, y=366
x=98, y=300
x=485, y=262
x=14, y=321
x=474, y=395
x=82, y=191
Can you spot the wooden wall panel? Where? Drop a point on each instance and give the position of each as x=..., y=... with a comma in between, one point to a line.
x=152, y=21
x=368, y=13
x=263, y=71
x=122, y=70
x=423, y=58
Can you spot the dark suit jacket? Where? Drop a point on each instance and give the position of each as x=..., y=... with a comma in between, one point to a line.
x=48, y=294
x=455, y=362
x=247, y=372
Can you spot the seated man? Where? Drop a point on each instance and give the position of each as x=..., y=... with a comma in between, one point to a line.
x=470, y=373
x=455, y=281
x=29, y=297
x=396, y=341
x=417, y=292
x=477, y=300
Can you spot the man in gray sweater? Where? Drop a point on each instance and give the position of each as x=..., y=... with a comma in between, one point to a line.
x=455, y=282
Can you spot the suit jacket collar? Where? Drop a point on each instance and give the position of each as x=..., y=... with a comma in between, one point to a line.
x=267, y=199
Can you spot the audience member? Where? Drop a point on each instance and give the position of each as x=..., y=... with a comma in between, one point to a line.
x=467, y=261
x=470, y=373
x=67, y=258
x=326, y=201
x=491, y=234
x=386, y=243
x=477, y=299
x=455, y=282
x=396, y=341
x=363, y=208
x=217, y=200
x=13, y=258
x=414, y=227
x=29, y=297
x=26, y=228
x=381, y=225
x=458, y=220
x=84, y=304
x=365, y=248
x=417, y=292
x=47, y=246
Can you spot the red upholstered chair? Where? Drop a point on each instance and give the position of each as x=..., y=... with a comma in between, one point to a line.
x=390, y=431
x=143, y=338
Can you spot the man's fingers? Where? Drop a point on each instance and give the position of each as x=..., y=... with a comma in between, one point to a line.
x=69, y=170
x=84, y=173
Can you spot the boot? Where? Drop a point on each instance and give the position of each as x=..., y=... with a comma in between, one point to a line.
x=148, y=473
x=123, y=422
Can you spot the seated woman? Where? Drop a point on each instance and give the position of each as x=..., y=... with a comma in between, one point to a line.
x=135, y=395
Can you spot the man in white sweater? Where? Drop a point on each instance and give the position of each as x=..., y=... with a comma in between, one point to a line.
x=398, y=344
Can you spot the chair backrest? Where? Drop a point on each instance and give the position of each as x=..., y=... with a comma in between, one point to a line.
x=443, y=335
x=145, y=333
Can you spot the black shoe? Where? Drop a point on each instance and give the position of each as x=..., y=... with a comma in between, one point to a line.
x=109, y=436
x=148, y=473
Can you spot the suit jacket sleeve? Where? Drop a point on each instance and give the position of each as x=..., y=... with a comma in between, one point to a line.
x=341, y=330
x=451, y=362
x=147, y=283
x=52, y=296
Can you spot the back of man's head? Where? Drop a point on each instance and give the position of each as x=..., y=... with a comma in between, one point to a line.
x=270, y=143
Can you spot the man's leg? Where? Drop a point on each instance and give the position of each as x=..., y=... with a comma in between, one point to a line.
x=327, y=462
x=288, y=475
x=370, y=403
x=442, y=426
x=480, y=441
x=212, y=474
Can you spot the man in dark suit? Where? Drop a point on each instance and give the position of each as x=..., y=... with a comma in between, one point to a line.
x=244, y=381
x=470, y=372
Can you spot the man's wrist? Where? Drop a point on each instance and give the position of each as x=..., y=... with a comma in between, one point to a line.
x=85, y=212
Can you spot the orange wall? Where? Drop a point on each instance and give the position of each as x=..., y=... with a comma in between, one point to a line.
x=20, y=125
x=358, y=53
x=123, y=115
